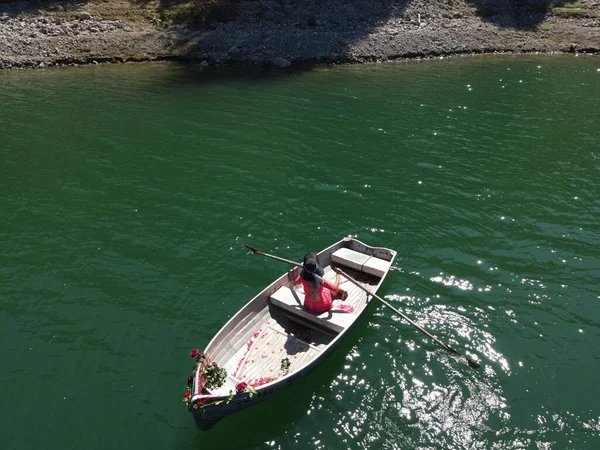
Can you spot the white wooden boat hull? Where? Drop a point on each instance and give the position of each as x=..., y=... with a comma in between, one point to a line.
x=252, y=343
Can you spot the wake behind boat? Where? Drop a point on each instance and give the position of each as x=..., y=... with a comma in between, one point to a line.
x=273, y=341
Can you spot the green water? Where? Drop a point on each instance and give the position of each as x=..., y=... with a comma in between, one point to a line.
x=128, y=193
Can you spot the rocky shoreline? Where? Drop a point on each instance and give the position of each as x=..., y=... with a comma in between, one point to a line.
x=284, y=32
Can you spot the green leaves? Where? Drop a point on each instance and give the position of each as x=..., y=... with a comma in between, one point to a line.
x=214, y=376
x=285, y=366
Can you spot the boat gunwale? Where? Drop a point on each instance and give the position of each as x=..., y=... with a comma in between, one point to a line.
x=347, y=242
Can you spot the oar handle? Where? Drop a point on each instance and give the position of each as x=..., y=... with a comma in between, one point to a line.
x=258, y=252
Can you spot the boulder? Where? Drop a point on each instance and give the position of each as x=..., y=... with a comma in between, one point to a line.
x=280, y=62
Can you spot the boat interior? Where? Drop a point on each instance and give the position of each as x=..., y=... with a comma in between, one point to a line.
x=275, y=325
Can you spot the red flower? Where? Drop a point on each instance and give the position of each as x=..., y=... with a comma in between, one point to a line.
x=261, y=381
x=194, y=353
x=187, y=394
x=214, y=364
x=190, y=380
x=202, y=401
x=241, y=386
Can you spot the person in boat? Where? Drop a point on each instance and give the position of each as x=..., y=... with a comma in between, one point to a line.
x=318, y=292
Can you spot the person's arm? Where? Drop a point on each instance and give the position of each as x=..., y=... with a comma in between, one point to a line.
x=329, y=285
x=337, y=280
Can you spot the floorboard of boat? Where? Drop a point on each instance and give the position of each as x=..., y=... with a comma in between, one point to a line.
x=257, y=348
x=259, y=360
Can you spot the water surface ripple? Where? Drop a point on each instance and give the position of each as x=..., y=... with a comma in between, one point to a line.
x=128, y=194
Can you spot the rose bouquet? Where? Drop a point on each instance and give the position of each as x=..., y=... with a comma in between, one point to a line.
x=211, y=375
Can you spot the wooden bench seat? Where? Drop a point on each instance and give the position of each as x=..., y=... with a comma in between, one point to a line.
x=361, y=262
x=291, y=300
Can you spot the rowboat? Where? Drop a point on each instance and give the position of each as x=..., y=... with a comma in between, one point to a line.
x=273, y=341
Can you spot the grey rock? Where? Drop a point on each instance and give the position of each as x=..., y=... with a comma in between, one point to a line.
x=280, y=62
x=84, y=15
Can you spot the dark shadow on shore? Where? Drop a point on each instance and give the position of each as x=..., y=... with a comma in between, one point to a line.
x=296, y=30
x=274, y=25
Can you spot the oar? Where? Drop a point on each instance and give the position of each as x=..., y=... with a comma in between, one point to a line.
x=473, y=364
x=258, y=252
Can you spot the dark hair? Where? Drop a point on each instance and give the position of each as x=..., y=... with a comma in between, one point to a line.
x=311, y=267
x=309, y=270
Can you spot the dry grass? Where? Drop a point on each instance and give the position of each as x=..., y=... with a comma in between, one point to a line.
x=156, y=12
x=574, y=10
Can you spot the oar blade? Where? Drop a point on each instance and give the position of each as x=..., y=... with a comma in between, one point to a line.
x=472, y=363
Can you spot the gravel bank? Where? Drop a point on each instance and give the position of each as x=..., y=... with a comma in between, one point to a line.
x=297, y=31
